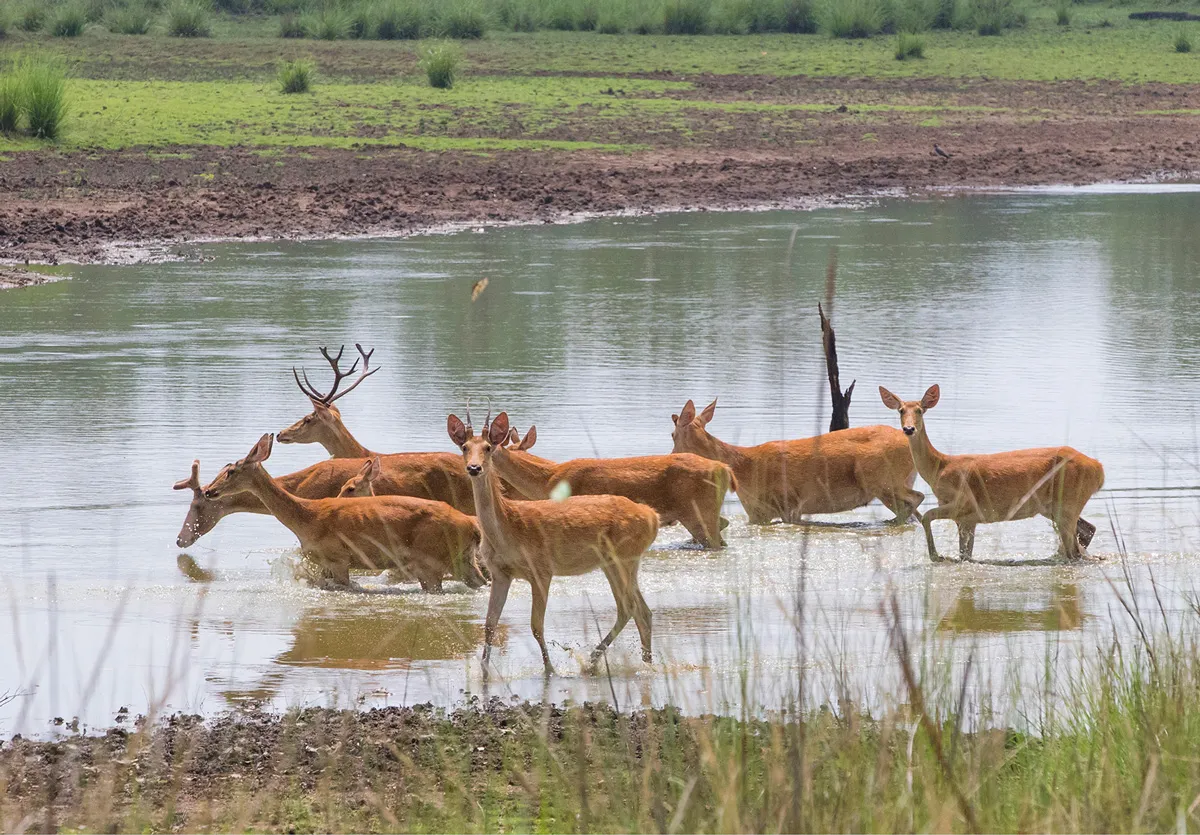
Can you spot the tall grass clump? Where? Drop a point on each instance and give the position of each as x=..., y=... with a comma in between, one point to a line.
x=130, y=20
x=398, y=20
x=3, y=22
x=295, y=76
x=945, y=15
x=854, y=18
x=464, y=20
x=291, y=26
x=1062, y=14
x=189, y=19
x=1182, y=42
x=42, y=85
x=32, y=18
x=330, y=24
x=909, y=45
x=362, y=22
x=69, y=21
x=441, y=62
x=799, y=16
x=520, y=15
x=10, y=102
x=685, y=17
x=991, y=17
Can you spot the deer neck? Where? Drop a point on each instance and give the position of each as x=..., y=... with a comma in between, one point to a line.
x=242, y=503
x=341, y=444
x=925, y=455
x=491, y=508
x=527, y=472
x=281, y=504
x=717, y=450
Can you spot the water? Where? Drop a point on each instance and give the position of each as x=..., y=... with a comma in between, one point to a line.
x=1048, y=317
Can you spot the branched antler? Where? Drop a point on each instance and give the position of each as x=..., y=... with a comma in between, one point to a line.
x=311, y=392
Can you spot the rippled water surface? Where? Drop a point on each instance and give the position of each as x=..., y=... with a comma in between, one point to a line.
x=1052, y=317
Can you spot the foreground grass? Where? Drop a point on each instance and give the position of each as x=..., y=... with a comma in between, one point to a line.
x=1111, y=748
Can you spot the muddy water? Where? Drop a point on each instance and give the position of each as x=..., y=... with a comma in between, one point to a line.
x=1049, y=317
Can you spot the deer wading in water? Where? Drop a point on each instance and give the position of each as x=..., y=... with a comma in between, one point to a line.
x=536, y=541
x=1055, y=482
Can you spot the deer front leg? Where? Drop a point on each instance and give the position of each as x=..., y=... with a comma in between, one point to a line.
x=904, y=504
x=966, y=540
x=537, y=618
x=620, y=594
x=939, y=512
x=496, y=601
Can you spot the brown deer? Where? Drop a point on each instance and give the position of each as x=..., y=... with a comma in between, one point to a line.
x=445, y=478
x=425, y=539
x=683, y=488
x=363, y=484
x=830, y=473
x=399, y=475
x=538, y=540
x=1055, y=482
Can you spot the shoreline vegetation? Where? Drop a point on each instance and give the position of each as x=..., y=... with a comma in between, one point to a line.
x=165, y=138
x=1103, y=744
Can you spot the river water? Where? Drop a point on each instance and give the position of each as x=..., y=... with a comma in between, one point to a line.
x=1047, y=317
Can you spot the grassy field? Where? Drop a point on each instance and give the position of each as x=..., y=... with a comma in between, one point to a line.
x=552, y=89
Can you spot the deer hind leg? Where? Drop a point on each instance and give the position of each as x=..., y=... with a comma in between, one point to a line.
x=939, y=512
x=643, y=618
x=619, y=586
x=705, y=528
x=903, y=502
x=1065, y=525
x=496, y=601
x=537, y=618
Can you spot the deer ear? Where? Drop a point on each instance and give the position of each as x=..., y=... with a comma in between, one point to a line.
x=890, y=400
x=931, y=398
x=675, y=419
x=498, y=431
x=687, y=414
x=457, y=430
x=262, y=450
x=514, y=437
x=373, y=468
x=530, y=438
x=707, y=414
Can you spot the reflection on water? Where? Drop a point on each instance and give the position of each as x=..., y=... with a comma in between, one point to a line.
x=976, y=610
x=1046, y=317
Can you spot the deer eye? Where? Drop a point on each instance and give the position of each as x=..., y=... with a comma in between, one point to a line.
x=487, y=447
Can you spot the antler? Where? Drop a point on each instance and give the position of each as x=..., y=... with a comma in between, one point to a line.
x=469, y=415
x=312, y=393
x=192, y=482
x=487, y=421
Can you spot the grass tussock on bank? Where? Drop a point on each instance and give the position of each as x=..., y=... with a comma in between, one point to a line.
x=1108, y=745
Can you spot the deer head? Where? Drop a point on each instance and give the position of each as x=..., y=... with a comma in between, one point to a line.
x=203, y=513
x=690, y=434
x=239, y=477
x=324, y=423
x=363, y=484
x=912, y=411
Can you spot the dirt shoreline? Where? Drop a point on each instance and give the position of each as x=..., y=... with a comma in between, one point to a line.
x=129, y=206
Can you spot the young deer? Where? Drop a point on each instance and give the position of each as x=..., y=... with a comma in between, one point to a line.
x=444, y=476
x=363, y=484
x=683, y=488
x=425, y=539
x=538, y=540
x=826, y=474
x=398, y=476
x=1055, y=482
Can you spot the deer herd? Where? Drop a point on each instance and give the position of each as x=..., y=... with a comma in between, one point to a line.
x=497, y=512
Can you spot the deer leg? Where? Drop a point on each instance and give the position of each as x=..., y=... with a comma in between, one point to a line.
x=499, y=595
x=705, y=534
x=966, y=540
x=939, y=512
x=643, y=618
x=1066, y=528
x=904, y=505
x=620, y=594
x=537, y=618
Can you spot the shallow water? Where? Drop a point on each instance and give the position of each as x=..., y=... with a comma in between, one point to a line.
x=1047, y=317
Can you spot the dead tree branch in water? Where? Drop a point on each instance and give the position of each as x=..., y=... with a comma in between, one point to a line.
x=841, y=399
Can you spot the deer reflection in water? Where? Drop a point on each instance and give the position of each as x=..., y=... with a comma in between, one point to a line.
x=974, y=611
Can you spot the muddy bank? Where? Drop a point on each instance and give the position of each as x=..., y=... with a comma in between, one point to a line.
x=13, y=277
x=75, y=207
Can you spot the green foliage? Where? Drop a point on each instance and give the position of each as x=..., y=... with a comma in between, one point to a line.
x=189, y=19
x=799, y=16
x=32, y=18
x=69, y=21
x=42, y=84
x=291, y=26
x=464, y=20
x=441, y=62
x=854, y=18
x=685, y=17
x=362, y=23
x=133, y=19
x=1182, y=42
x=10, y=102
x=946, y=14
x=1062, y=14
x=400, y=20
x=332, y=23
x=295, y=76
x=909, y=45
x=991, y=17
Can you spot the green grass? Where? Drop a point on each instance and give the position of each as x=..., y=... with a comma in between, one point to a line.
x=330, y=24
x=992, y=17
x=68, y=21
x=189, y=19
x=463, y=20
x=854, y=18
x=39, y=83
x=399, y=20
x=295, y=76
x=291, y=26
x=909, y=45
x=441, y=62
x=128, y=20
x=10, y=102
x=32, y=18
x=1183, y=43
